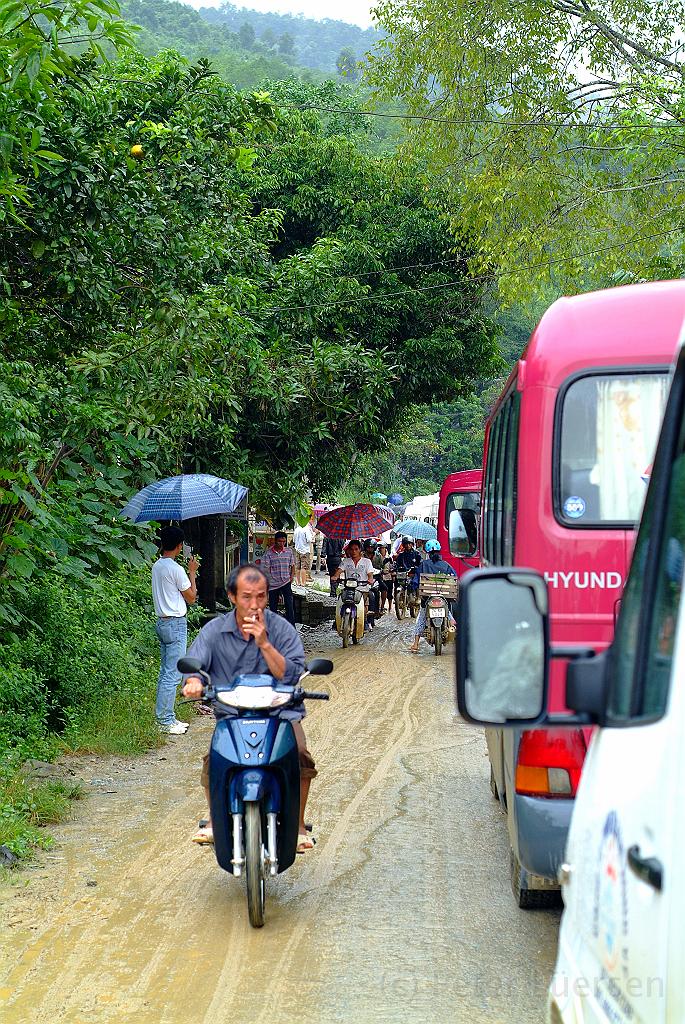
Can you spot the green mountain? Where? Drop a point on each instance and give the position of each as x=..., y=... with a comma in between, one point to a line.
x=314, y=44
x=165, y=24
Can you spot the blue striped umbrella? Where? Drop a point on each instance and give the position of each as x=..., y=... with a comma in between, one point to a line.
x=416, y=529
x=354, y=521
x=184, y=497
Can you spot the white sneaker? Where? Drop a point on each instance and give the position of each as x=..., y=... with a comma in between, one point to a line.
x=175, y=729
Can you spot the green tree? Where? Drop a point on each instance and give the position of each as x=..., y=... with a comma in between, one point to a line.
x=286, y=44
x=555, y=126
x=246, y=35
x=290, y=292
x=347, y=64
x=39, y=44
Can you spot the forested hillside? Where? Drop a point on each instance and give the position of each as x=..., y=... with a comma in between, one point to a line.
x=165, y=24
x=314, y=44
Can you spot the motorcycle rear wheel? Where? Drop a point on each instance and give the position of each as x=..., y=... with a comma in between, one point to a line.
x=437, y=634
x=254, y=865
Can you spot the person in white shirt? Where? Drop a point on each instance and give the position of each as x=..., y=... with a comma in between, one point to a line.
x=302, y=539
x=355, y=566
x=173, y=589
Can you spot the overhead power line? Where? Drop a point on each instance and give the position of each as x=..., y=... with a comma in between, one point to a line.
x=475, y=122
x=382, y=296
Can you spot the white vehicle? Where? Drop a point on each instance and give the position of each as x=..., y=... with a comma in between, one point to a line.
x=423, y=507
x=621, y=951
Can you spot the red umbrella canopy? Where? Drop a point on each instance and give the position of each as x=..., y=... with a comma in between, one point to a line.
x=352, y=521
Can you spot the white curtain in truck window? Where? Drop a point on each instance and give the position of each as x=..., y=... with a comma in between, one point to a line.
x=629, y=413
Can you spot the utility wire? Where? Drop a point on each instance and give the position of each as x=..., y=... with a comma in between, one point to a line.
x=467, y=280
x=466, y=122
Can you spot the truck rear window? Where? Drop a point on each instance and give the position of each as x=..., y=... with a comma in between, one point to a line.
x=609, y=428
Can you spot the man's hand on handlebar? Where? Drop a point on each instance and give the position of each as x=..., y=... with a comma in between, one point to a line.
x=193, y=687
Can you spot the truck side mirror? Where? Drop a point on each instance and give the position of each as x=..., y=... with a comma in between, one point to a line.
x=502, y=650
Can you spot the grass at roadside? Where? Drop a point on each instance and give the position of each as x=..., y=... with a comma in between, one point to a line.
x=79, y=678
x=26, y=805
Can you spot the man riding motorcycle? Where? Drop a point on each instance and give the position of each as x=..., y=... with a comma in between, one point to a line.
x=431, y=566
x=355, y=566
x=252, y=639
x=408, y=558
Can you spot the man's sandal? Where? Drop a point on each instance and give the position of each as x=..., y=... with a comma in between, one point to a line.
x=305, y=842
x=204, y=835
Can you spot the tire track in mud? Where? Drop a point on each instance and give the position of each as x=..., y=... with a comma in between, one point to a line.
x=314, y=886
x=67, y=986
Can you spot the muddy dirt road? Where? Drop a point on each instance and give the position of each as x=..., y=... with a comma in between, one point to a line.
x=402, y=913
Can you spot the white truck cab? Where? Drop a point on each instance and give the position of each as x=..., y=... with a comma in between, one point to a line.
x=621, y=954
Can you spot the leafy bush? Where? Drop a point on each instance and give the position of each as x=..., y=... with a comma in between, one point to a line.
x=78, y=675
x=77, y=651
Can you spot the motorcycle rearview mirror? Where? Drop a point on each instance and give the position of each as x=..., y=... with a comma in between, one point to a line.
x=188, y=665
x=319, y=667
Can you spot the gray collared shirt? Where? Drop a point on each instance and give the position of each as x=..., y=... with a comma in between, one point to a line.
x=223, y=651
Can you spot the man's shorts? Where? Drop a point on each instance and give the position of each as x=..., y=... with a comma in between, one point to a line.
x=303, y=561
x=308, y=768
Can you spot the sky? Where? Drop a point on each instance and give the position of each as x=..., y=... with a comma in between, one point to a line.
x=356, y=12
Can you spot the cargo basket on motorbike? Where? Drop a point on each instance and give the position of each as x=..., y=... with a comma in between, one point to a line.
x=438, y=585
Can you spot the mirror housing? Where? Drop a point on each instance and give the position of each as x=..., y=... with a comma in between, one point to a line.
x=503, y=647
x=319, y=667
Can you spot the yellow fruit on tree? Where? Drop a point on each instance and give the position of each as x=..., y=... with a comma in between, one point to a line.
x=137, y=152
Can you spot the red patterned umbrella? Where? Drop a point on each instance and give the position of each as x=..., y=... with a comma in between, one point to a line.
x=353, y=521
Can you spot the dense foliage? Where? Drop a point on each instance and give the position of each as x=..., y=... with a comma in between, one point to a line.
x=445, y=437
x=235, y=301
x=555, y=125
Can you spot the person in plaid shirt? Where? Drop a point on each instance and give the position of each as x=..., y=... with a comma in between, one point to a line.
x=279, y=565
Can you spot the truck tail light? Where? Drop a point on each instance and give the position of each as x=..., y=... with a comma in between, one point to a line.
x=550, y=762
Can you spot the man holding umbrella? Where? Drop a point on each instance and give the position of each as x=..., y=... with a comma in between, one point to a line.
x=172, y=591
x=186, y=496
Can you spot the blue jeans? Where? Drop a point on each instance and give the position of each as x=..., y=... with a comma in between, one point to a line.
x=173, y=639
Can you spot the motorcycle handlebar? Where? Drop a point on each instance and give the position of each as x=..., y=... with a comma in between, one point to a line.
x=315, y=695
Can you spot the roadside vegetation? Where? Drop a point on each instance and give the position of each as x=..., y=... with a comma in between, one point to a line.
x=190, y=277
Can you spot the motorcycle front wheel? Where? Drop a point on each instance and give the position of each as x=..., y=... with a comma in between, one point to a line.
x=345, y=629
x=254, y=865
x=401, y=604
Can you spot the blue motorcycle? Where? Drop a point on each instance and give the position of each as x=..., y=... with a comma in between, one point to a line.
x=254, y=775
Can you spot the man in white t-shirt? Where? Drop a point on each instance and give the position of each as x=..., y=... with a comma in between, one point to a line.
x=356, y=566
x=302, y=539
x=173, y=589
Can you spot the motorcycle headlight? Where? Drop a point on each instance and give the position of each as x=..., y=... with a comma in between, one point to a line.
x=253, y=697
